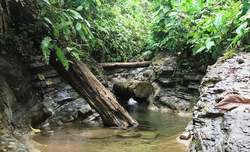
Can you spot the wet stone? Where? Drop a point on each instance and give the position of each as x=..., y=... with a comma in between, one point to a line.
x=229, y=131
x=129, y=135
x=185, y=135
x=193, y=85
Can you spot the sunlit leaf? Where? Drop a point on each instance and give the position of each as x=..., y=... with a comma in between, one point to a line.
x=209, y=44
x=200, y=49
x=41, y=76
x=78, y=26
x=166, y=9
x=48, y=20
x=240, y=30
x=76, y=14
x=47, y=1
x=218, y=21
x=79, y=8
x=45, y=48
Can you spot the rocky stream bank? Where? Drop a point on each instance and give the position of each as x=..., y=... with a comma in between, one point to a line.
x=214, y=130
x=33, y=93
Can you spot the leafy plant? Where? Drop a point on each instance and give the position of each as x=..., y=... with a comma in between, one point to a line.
x=203, y=28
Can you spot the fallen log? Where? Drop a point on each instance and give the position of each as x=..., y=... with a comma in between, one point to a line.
x=114, y=65
x=98, y=97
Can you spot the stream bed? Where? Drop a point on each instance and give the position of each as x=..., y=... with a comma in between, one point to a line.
x=157, y=133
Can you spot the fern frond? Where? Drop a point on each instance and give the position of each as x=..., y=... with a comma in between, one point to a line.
x=62, y=57
x=45, y=48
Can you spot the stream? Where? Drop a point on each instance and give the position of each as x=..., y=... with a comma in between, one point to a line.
x=157, y=132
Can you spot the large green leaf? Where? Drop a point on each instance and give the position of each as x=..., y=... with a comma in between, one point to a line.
x=218, y=21
x=246, y=7
x=82, y=35
x=47, y=1
x=79, y=8
x=200, y=49
x=48, y=20
x=76, y=14
x=209, y=44
x=166, y=9
x=241, y=29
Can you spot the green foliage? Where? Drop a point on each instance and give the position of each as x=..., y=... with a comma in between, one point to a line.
x=41, y=76
x=120, y=29
x=205, y=29
x=110, y=31
x=46, y=46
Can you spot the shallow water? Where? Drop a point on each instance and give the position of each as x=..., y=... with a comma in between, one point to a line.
x=157, y=133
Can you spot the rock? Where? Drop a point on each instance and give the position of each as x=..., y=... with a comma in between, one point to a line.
x=192, y=77
x=167, y=82
x=27, y=99
x=164, y=65
x=167, y=71
x=230, y=131
x=129, y=135
x=185, y=135
x=134, y=89
x=148, y=134
x=193, y=85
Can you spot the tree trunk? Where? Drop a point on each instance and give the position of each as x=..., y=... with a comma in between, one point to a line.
x=97, y=96
x=125, y=65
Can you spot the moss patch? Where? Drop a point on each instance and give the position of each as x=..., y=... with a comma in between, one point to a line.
x=230, y=53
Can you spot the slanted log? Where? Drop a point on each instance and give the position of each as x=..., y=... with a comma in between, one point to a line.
x=134, y=89
x=114, y=65
x=97, y=96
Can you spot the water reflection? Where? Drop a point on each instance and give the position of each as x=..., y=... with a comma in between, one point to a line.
x=156, y=133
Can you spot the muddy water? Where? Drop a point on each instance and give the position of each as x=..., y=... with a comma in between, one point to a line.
x=157, y=133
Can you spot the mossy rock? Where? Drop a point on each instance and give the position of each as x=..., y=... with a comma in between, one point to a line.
x=230, y=53
x=141, y=89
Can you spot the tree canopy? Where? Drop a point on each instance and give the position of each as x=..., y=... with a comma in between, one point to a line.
x=118, y=30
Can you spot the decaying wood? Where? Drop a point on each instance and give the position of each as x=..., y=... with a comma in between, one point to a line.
x=232, y=101
x=97, y=96
x=114, y=65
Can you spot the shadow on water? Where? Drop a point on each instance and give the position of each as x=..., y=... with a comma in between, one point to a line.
x=157, y=132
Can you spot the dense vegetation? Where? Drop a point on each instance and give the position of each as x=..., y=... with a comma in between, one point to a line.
x=118, y=30
x=201, y=28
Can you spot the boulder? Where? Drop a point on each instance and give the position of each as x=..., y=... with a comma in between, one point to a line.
x=214, y=131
